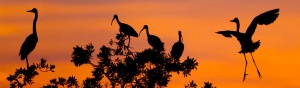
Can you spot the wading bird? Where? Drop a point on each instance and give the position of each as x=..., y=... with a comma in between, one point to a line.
x=177, y=48
x=245, y=39
x=125, y=28
x=30, y=42
x=153, y=40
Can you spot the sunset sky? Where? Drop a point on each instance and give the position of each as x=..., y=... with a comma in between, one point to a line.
x=64, y=24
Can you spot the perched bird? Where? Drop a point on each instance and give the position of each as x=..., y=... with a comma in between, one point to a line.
x=31, y=41
x=177, y=48
x=153, y=40
x=245, y=39
x=125, y=28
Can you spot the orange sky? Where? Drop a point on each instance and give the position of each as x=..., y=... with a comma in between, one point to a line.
x=62, y=25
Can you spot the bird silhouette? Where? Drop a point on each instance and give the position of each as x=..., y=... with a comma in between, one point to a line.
x=177, y=48
x=245, y=39
x=31, y=41
x=153, y=40
x=125, y=28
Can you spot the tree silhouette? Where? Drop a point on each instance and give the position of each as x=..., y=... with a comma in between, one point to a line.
x=54, y=83
x=192, y=84
x=28, y=74
x=208, y=85
x=122, y=67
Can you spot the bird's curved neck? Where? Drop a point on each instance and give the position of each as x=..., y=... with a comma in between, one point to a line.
x=147, y=32
x=117, y=20
x=180, y=38
x=237, y=26
x=34, y=23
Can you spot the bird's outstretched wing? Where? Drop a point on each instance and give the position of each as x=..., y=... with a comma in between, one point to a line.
x=229, y=33
x=265, y=18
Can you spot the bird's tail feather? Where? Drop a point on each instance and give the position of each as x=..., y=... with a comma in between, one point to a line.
x=23, y=57
x=256, y=45
x=160, y=47
x=250, y=48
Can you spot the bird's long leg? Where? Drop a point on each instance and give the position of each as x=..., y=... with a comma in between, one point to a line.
x=27, y=63
x=129, y=52
x=128, y=41
x=245, y=68
x=259, y=75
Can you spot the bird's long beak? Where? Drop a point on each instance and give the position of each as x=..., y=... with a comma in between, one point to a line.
x=231, y=20
x=29, y=11
x=112, y=21
x=141, y=31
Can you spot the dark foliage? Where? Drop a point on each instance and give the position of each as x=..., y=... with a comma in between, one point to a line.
x=192, y=84
x=81, y=56
x=54, y=83
x=23, y=76
x=208, y=85
x=149, y=68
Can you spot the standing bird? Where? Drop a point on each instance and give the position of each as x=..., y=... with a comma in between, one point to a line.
x=125, y=28
x=177, y=48
x=245, y=39
x=30, y=42
x=153, y=40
